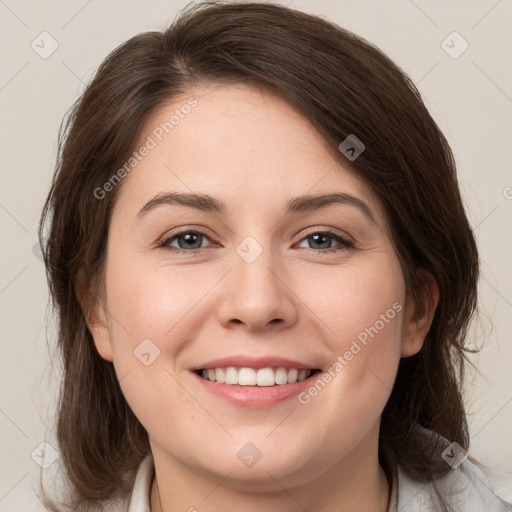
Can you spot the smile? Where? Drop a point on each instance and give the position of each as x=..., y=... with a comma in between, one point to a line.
x=251, y=388
x=263, y=377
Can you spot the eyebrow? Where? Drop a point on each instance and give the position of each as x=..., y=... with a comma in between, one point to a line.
x=300, y=204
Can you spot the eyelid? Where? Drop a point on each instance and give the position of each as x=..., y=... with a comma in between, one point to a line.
x=328, y=231
x=182, y=230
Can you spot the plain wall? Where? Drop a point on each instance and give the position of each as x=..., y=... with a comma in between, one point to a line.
x=470, y=97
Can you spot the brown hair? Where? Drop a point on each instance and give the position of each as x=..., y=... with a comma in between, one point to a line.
x=343, y=85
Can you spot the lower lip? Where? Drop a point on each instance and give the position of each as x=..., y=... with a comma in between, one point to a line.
x=256, y=396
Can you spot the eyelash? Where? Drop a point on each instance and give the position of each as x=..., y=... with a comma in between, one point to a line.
x=345, y=242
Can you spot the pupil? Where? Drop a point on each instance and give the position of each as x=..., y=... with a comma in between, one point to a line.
x=189, y=238
x=315, y=237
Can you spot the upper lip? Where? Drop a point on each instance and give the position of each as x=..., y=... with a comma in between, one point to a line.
x=244, y=361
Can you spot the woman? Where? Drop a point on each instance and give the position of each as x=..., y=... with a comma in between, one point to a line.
x=264, y=275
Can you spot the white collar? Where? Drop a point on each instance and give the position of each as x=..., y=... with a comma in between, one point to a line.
x=140, y=500
x=463, y=489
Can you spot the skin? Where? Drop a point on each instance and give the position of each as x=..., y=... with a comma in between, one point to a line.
x=254, y=151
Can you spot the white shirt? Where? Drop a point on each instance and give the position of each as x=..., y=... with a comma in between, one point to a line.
x=466, y=489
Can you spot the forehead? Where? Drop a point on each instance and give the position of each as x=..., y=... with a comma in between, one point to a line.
x=247, y=146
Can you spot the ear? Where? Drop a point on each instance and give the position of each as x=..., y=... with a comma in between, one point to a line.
x=419, y=314
x=95, y=315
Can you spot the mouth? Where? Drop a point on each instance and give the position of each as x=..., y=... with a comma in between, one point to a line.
x=253, y=388
x=252, y=377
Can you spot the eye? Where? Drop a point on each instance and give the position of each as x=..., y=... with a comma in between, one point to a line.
x=324, y=239
x=191, y=241
x=188, y=241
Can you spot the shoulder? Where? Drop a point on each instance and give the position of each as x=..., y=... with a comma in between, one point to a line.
x=139, y=501
x=465, y=488
x=59, y=490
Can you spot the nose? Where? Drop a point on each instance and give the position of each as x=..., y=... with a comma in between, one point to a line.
x=257, y=295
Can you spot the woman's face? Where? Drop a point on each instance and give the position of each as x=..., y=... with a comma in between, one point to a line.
x=262, y=279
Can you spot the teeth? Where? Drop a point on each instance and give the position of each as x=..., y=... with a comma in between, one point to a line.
x=281, y=376
x=220, y=375
x=231, y=376
x=251, y=377
x=247, y=377
x=264, y=377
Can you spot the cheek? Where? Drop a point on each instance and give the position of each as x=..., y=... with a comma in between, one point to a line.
x=151, y=302
x=149, y=309
x=368, y=316
x=158, y=312
x=360, y=312
x=353, y=298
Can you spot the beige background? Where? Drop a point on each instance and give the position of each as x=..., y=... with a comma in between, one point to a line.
x=470, y=97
